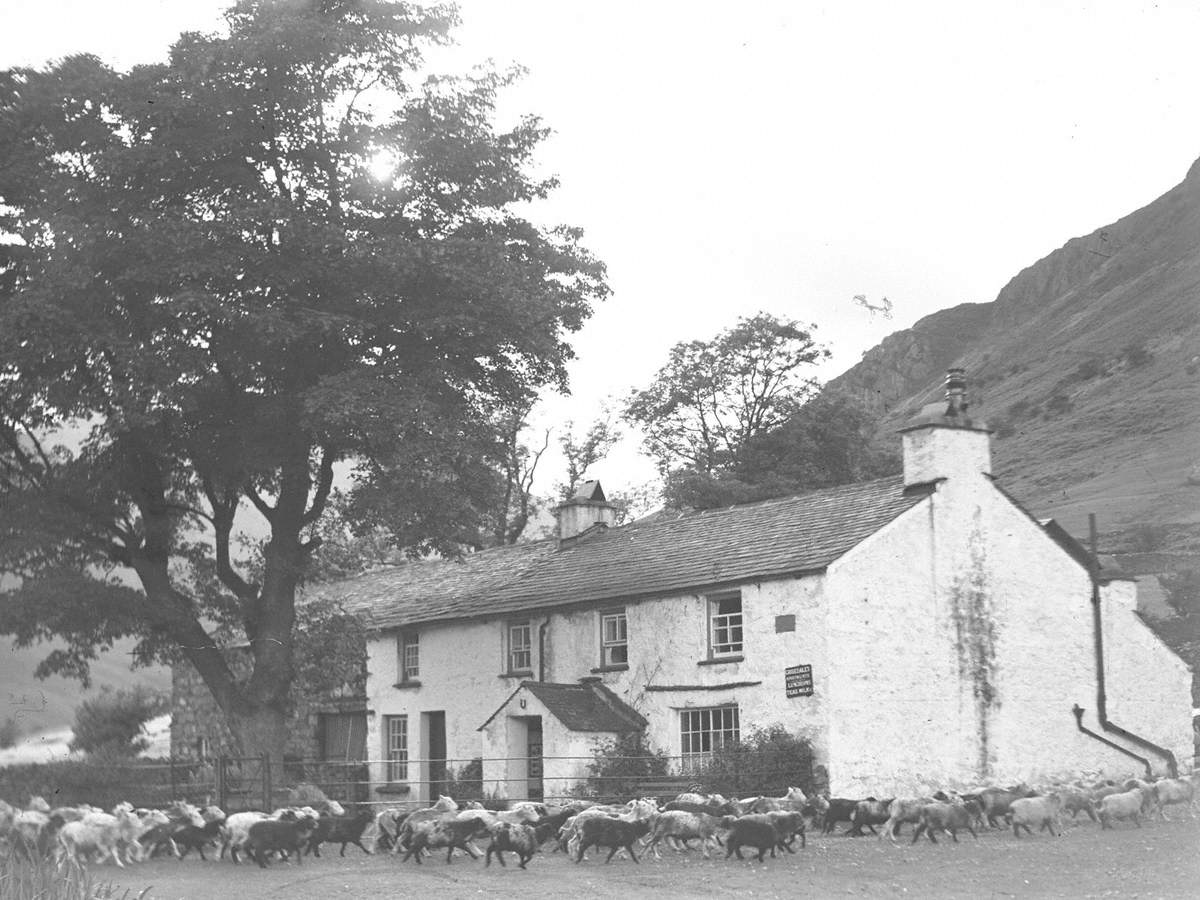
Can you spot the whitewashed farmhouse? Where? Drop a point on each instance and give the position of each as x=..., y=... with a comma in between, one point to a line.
x=935, y=633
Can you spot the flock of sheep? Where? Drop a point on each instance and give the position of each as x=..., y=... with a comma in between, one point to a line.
x=764, y=824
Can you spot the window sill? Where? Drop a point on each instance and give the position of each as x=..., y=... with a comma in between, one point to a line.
x=619, y=667
x=398, y=789
x=718, y=660
x=528, y=674
x=412, y=683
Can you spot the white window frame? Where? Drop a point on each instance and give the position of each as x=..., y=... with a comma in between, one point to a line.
x=519, y=651
x=614, y=639
x=704, y=731
x=722, y=627
x=395, y=748
x=408, y=656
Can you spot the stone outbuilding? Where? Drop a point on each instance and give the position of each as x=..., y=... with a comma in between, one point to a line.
x=922, y=629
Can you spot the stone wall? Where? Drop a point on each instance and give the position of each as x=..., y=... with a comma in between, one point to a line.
x=195, y=715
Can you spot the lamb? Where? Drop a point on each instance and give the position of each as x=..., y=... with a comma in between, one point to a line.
x=282, y=837
x=683, y=826
x=449, y=831
x=1124, y=805
x=946, y=817
x=901, y=810
x=603, y=831
x=340, y=830
x=1035, y=810
x=750, y=831
x=519, y=838
x=1171, y=791
x=869, y=812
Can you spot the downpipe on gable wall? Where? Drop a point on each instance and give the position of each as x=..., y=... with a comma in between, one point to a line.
x=1101, y=690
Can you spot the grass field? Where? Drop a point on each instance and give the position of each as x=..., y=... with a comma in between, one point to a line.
x=1159, y=860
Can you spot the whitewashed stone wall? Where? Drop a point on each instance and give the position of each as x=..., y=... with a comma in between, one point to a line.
x=975, y=633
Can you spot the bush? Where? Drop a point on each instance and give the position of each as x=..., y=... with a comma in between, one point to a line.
x=110, y=724
x=767, y=762
x=619, y=767
x=102, y=782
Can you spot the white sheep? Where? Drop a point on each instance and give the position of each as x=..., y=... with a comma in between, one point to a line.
x=1125, y=805
x=1041, y=811
x=683, y=826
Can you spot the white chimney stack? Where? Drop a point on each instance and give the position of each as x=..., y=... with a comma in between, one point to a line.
x=944, y=441
x=587, y=507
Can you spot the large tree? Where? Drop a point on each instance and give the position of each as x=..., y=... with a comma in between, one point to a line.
x=713, y=397
x=208, y=300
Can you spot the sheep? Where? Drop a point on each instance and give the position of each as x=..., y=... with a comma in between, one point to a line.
x=1077, y=801
x=519, y=838
x=997, y=802
x=602, y=831
x=101, y=833
x=789, y=825
x=235, y=831
x=634, y=810
x=340, y=830
x=1035, y=810
x=443, y=805
x=750, y=831
x=901, y=810
x=1123, y=805
x=280, y=836
x=683, y=826
x=725, y=808
x=946, y=817
x=869, y=812
x=834, y=810
x=1171, y=791
x=794, y=799
x=449, y=832
x=192, y=838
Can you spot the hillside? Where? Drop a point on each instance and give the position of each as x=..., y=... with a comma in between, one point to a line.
x=1087, y=365
x=40, y=706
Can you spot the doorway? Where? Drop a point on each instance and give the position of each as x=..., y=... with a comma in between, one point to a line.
x=435, y=741
x=533, y=752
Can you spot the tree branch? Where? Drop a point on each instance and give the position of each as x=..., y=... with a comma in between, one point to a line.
x=323, y=487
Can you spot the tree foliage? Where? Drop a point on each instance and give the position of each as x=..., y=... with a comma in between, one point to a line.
x=207, y=302
x=713, y=397
x=826, y=442
x=110, y=724
x=584, y=451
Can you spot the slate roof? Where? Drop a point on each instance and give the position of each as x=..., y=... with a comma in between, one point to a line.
x=772, y=538
x=582, y=707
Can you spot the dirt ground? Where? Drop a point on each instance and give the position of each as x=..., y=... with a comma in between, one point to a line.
x=1160, y=860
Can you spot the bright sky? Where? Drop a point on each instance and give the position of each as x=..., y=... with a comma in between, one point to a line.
x=725, y=158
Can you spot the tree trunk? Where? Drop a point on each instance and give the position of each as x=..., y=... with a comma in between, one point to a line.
x=261, y=731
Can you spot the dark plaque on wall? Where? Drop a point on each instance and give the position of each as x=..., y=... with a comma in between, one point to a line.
x=798, y=681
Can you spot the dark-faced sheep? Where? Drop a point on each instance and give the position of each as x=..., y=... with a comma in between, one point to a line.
x=946, y=817
x=512, y=837
x=750, y=831
x=272, y=835
x=602, y=831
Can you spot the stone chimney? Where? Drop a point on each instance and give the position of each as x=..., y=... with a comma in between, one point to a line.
x=587, y=507
x=944, y=440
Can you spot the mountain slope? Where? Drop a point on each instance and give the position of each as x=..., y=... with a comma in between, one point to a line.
x=1087, y=364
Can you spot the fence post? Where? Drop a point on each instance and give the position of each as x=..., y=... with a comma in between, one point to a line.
x=222, y=800
x=268, y=792
x=174, y=789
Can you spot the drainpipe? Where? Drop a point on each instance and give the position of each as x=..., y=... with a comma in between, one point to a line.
x=1101, y=690
x=542, y=650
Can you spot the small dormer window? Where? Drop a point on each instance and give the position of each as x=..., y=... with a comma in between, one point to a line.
x=614, y=639
x=725, y=625
x=520, y=648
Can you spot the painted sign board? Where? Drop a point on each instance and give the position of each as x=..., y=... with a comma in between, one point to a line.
x=798, y=681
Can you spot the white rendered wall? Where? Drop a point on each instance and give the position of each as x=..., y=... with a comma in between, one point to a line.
x=975, y=634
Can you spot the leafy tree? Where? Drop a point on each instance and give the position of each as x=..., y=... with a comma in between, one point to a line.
x=111, y=723
x=206, y=286
x=826, y=442
x=515, y=503
x=583, y=452
x=712, y=397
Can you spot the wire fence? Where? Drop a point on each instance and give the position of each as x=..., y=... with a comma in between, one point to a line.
x=257, y=782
